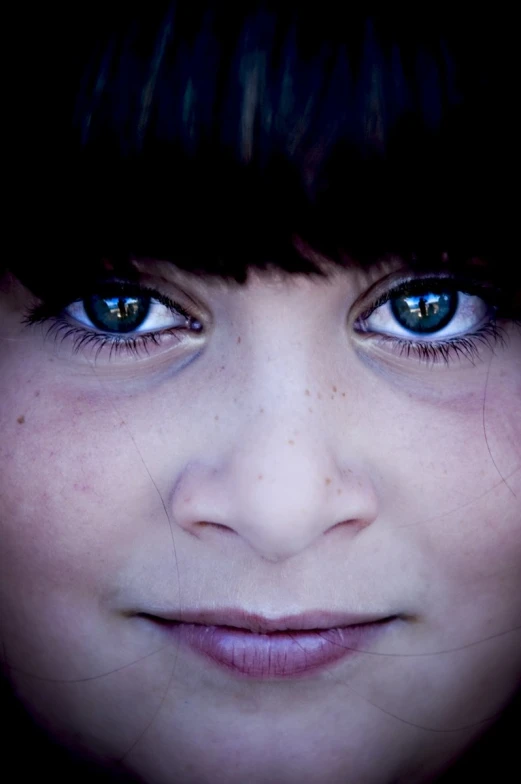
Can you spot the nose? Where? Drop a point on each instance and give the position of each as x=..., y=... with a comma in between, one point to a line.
x=279, y=482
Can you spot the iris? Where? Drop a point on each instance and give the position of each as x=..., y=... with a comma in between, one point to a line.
x=425, y=313
x=117, y=314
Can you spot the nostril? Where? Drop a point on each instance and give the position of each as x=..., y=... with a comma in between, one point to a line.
x=354, y=524
x=209, y=524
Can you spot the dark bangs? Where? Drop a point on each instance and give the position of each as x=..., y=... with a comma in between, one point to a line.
x=212, y=137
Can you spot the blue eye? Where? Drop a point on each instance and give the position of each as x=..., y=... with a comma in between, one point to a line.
x=431, y=313
x=427, y=313
x=434, y=319
x=119, y=317
x=128, y=313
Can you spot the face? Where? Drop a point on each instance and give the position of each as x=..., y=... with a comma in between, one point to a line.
x=270, y=449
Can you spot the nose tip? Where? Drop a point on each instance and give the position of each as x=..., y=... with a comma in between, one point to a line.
x=279, y=502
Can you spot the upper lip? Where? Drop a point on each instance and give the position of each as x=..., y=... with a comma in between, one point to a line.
x=255, y=622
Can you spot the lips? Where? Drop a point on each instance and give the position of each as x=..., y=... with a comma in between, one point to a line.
x=251, y=645
x=260, y=624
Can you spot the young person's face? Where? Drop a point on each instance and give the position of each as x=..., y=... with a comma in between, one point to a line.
x=277, y=461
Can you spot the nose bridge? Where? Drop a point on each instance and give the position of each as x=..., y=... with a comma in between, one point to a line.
x=283, y=448
x=281, y=423
x=281, y=369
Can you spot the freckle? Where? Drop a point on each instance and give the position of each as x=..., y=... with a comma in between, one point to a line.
x=21, y=419
x=261, y=410
x=37, y=393
x=343, y=394
x=260, y=476
x=328, y=480
x=81, y=487
x=238, y=339
x=307, y=392
x=292, y=443
x=216, y=417
x=122, y=423
x=334, y=389
x=223, y=367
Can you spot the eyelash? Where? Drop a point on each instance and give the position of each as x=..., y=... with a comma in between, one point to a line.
x=434, y=351
x=466, y=346
x=443, y=351
x=62, y=329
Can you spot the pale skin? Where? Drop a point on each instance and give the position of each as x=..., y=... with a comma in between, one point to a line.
x=276, y=461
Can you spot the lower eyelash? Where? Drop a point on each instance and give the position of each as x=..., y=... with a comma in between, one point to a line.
x=434, y=352
x=466, y=346
x=62, y=330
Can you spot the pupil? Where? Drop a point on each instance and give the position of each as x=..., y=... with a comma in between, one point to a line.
x=117, y=314
x=425, y=313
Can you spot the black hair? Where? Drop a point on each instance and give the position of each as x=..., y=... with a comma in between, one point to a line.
x=213, y=134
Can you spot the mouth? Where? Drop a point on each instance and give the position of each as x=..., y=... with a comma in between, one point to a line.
x=260, y=624
x=254, y=646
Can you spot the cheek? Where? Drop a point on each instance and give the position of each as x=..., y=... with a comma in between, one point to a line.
x=60, y=502
x=446, y=452
x=83, y=477
x=463, y=508
x=68, y=488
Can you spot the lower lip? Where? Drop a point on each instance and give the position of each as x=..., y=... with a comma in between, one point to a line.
x=276, y=655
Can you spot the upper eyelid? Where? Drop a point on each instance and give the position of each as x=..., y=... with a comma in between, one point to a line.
x=53, y=309
x=377, y=294
x=465, y=284
x=138, y=289
x=154, y=302
x=109, y=289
